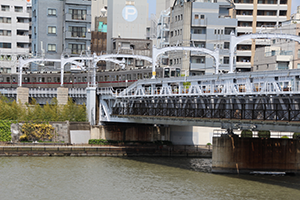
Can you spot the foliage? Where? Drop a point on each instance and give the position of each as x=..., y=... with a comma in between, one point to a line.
x=5, y=132
x=264, y=134
x=284, y=137
x=37, y=132
x=99, y=141
x=296, y=135
x=208, y=144
x=34, y=112
x=246, y=134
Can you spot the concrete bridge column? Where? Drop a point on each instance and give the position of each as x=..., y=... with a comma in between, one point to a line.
x=91, y=104
x=22, y=95
x=62, y=95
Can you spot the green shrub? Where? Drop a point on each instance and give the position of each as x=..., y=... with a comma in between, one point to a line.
x=296, y=135
x=246, y=134
x=264, y=134
x=208, y=144
x=98, y=141
x=284, y=137
x=5, y=131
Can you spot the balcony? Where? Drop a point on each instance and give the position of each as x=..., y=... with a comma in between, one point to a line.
x=86, y=3
x=68, y=35
x=247, y=29
x=198, y=36
x=266, y=18
x=244, y=17
x=199, y=22
x=84, y=18
x=243, y=53
x=197, y=66
x=243, y=6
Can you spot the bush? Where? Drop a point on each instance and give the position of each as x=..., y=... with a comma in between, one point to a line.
x=98, y=141
x=37, y=132
x=284, y=137
x=163, y=142
x=5, y=132
x=264, y=134
x=246, y=134
x=296, y=135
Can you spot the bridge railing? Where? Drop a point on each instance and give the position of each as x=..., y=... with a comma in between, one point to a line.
x=42, y=91
x=8, y=91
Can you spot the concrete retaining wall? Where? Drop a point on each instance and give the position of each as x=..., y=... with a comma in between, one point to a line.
x=130, y=132
x=244, y=155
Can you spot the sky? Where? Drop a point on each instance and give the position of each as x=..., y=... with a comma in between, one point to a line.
x=295, y=3
x=152, y=6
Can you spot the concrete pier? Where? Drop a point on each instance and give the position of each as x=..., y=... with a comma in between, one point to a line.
x=62, y=95
x=22, y=95
x=245, y=155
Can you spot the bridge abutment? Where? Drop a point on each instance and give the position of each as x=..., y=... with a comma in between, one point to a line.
x=232, y=154
x=130, y=132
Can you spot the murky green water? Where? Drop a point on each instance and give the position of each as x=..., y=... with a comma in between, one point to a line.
x=133, y=178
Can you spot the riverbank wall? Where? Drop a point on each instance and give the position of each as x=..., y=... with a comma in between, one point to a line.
x=105, y=151
x=232, y=154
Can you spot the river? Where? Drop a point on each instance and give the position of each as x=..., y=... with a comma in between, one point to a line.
x=133, y=178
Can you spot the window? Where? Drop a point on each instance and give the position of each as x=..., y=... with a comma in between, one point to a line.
x=78, y=14
x=78, y=31
x=5, y=45
x=198, y=30
x=51, y=47
x=4, y=8
x=298, y=53
x=229, y=30
x=196, y=16
x=298, y=66
x=77, y=48
x=139, y=63
x=18, y=9
x=51, y=12
x=199, y=44
x=5, y=20
x=5, y=32
x=226, y=45
x=51, y=30
x=226, y=60
x=202, y=16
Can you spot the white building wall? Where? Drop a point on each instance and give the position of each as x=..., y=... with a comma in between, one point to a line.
x=7, y=62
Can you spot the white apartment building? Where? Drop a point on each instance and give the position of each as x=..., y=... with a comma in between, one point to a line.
x=14, y=33
x=257, y=16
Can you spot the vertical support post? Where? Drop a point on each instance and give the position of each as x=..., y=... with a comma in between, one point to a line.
x=62, y=65
x=20, y=71
x=94, y=63
x=217, y=58
x=154, y=57
x=91, y=104
x=231, y=51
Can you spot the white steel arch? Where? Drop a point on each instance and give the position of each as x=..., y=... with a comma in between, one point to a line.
x=234, y=40
x=156, y=52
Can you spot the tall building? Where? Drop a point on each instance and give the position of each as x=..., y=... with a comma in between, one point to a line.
x=99, y=9
x=200, y=24
x=127, y=20
x=14, y=33
x=60, y=27
x=257, y=16
x=282, y=54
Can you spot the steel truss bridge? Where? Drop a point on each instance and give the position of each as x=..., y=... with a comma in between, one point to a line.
x=257, y=100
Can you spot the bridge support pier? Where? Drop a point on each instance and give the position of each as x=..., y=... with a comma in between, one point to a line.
x=22, y=95
x=62, y=95
x=91, y=104
x=232, y=154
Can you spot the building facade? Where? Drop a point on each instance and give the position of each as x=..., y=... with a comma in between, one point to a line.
x=200, y=24
x=15, y=33
x=257, y=16
x=60, y=27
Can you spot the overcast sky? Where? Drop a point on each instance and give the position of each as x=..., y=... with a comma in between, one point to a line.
x=295, y=3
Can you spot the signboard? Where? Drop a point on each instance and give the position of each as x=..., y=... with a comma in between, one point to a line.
x=130, y=13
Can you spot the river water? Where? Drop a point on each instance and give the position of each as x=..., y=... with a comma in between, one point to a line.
x=133, y=178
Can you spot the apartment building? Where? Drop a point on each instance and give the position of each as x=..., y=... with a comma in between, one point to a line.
x=15, y=33
x=256, y=16
x=60, y=27
x=282, y=54
x=201, y=24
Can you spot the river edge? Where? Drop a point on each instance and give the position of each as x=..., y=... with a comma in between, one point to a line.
x=103, y=151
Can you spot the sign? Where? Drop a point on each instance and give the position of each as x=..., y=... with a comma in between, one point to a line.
x=130, y=13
